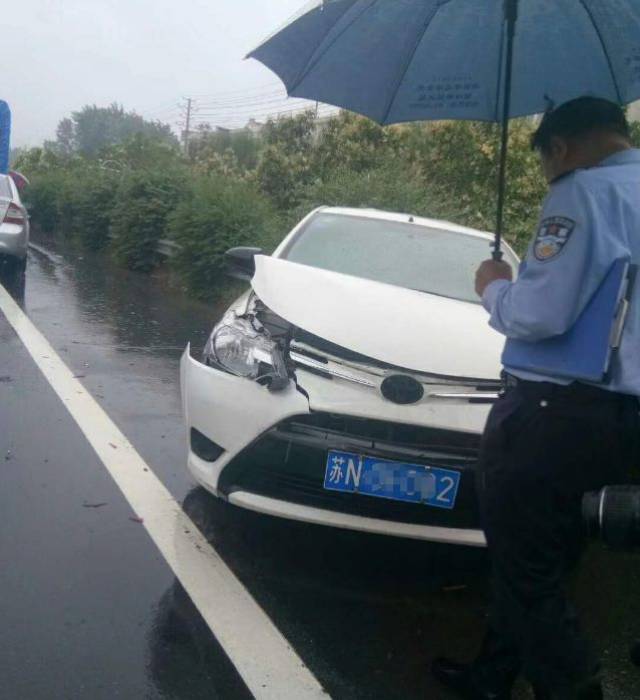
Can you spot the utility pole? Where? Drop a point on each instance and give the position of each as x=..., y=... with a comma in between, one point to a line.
x=187, y=126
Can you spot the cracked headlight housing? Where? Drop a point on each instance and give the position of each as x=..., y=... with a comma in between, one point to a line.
x=242, y=347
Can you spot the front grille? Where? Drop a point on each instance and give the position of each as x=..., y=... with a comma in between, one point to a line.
x=321, y=350
x=289, y=462
x=335, y=431
x=325, y=346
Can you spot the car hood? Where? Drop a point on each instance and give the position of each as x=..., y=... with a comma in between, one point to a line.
x=409, y=329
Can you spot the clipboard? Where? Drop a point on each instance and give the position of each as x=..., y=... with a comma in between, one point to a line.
x=584, y=352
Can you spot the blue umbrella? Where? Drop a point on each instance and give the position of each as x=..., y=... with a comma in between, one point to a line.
x=491, y=60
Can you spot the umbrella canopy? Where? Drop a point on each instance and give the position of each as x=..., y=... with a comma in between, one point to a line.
x=408, y=60
x=412, y=60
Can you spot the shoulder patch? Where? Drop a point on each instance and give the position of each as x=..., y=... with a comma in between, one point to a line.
x=553, y=235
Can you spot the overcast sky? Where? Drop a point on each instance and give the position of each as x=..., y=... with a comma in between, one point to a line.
x=144, y=54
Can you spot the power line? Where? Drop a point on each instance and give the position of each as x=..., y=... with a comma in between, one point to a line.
x=222, y=93
x=273, y=103
x=239, y=123
x=276, y=94
x=233, y=109
x=252, y=111
x=311, y=107
x=251, y=105
x=166, y=110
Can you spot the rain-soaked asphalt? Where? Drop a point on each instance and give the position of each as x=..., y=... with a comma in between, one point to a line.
x=89, y=608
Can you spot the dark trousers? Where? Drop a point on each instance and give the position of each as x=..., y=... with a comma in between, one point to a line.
x=543, y=447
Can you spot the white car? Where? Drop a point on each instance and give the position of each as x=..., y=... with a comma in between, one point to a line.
x=350, y=385
x=14, y=224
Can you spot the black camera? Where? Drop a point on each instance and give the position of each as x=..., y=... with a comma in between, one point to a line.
x=613, y=516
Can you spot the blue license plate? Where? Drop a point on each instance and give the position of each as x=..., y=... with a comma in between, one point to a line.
x=371, y=476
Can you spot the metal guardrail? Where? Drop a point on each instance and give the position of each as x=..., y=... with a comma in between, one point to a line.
x=167, y=248
x=164, y=247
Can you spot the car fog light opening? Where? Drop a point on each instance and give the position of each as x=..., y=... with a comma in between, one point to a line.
x=204, y=448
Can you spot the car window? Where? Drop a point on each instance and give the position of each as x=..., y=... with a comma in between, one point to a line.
x=408, y=255
x=5, y=187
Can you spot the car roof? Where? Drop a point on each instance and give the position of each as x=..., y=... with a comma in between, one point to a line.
x=406, y=218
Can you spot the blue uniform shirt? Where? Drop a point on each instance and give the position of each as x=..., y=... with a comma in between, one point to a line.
x=590, y=219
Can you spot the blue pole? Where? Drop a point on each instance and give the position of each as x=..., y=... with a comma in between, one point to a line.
x=5, y=136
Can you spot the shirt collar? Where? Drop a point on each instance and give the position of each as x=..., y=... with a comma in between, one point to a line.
x=626, y=157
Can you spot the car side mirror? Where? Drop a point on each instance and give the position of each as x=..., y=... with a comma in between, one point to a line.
x=240, y=262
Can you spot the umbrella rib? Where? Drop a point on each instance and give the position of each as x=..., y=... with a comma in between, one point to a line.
x=317, y=56
x=410, y=57
x=604, y=49
x=499, y=74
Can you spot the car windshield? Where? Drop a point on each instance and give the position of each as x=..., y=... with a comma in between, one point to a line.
x=423, y=258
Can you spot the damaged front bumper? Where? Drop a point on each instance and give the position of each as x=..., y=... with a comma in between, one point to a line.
x=230, y=411
x=270, y=449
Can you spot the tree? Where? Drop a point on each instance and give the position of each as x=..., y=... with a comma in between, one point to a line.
x=142, y=151
x=293, y=135
x=459, y=160
x=207, y=147
x=354, y=142
x=285, y=166
x=65, y=137
x=37, y=159
x=93, y=129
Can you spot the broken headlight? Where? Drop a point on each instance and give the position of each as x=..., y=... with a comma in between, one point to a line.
x=242, y=346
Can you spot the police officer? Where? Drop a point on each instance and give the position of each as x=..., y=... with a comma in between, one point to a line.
x=549, y=439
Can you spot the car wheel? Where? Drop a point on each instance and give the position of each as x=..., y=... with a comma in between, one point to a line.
x=10, y=265
x=20, y=264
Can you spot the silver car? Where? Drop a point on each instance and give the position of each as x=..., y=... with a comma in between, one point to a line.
x=14, y=224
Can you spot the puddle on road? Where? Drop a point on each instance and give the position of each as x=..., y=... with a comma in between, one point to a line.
x=139, y=312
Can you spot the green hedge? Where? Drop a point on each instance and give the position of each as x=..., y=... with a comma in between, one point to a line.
x=42, y=198
x=389, y=187
x=93, y=209
x=139, y=216
x=250, y=191
x=218, y=214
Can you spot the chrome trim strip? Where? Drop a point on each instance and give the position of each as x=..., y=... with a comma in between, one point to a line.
x=423, y=377
x=347, y=376
x=320, y=366
x=603, y=497
x=362, y=367
x=464, y=395
x=320, y=516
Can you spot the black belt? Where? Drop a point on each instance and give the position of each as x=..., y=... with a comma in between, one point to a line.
x=575, y=390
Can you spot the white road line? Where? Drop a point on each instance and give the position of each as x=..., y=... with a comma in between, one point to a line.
x=264, y=659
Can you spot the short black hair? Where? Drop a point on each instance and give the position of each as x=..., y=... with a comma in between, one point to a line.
x=577, y=118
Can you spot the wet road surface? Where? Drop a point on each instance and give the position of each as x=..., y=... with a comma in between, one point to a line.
x=90, y=609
